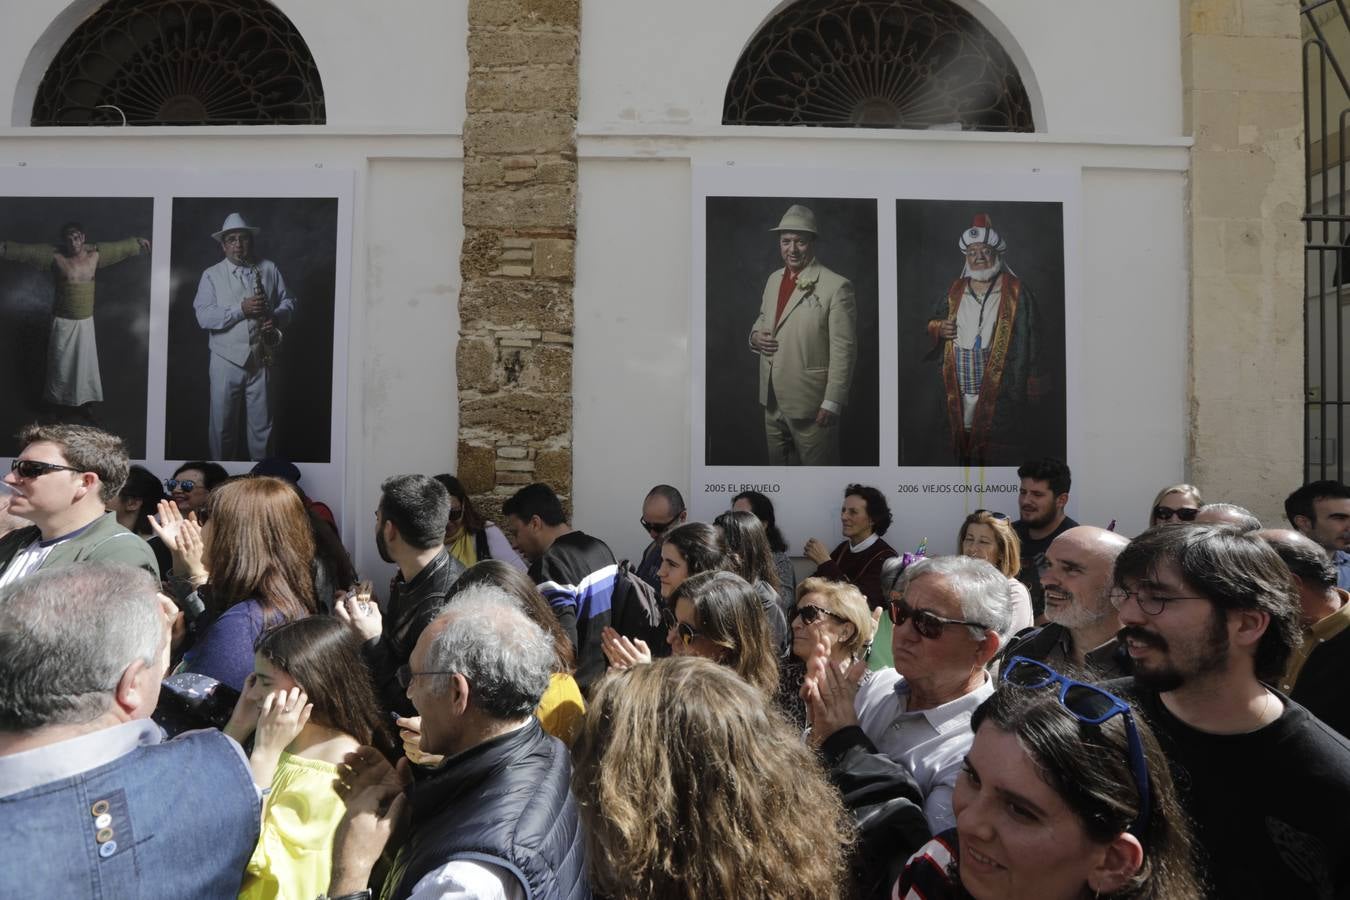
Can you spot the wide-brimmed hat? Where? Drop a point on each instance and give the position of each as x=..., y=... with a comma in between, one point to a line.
x=797, y=218
x=234, y=222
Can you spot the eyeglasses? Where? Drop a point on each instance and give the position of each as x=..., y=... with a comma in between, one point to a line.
x=655, y=527
x=685, y=630
x=1185, y=514
x=1091, y=706
x=405, y=675
x=31, y=468
x=926, y=622
x=1150, y=603
x=809, y=614
x=1002, y=517
x=456, y=513
x=173, y=484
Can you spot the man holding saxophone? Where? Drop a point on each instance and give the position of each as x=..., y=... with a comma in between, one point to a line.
x=243, y=303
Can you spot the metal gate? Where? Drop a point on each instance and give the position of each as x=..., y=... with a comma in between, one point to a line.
x=1326, y=108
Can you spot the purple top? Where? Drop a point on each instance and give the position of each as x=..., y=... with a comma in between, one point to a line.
x=225, y=651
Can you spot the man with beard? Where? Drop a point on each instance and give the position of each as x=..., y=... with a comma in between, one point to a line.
x=1076, y=577
x=806, y=338
x=1041, y=499
x=410, y=533
x=1208, y=615
x=985, y=332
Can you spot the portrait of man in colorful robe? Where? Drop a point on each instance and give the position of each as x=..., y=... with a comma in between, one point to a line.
x=72, y=377
x=985, y=337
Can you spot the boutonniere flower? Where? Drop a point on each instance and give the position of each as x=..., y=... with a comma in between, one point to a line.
x=806, y=287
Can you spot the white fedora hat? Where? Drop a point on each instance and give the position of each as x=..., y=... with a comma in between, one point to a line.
x=797, y=218
x=234, y=222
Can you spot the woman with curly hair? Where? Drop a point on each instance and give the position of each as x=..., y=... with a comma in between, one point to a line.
x=690, y=785
x=864, y=518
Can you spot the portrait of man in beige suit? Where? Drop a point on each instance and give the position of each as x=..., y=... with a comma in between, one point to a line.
x=806, y=338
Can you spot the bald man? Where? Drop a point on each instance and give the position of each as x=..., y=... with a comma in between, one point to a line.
x=1081, y=634
x=1319, y=670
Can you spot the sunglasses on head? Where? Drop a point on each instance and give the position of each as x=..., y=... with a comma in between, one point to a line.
x=1092, y=706
x=926, y=622
x=686, y=631
x=31, y=468
x=1165, y=513
x=809, y=614
x=173, y=484
x=1002, y=517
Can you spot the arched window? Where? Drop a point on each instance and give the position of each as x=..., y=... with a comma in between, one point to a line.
x=877, y=64
x=182, y=62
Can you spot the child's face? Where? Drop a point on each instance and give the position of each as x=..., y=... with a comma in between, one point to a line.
x=267, y=679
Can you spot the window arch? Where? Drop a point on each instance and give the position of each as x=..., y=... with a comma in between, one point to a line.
x=182, y=62
x=877, y=64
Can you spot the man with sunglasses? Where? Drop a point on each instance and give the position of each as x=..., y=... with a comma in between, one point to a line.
x=950, y=615
x=1321, y=510
x=1210, y=618
x=1081, y=631
x=661, y=511
x=62, y=482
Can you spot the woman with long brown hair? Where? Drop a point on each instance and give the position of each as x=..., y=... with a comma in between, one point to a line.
x=690, y=784
x=718, y=616
x=253, y=557
x=309, y=702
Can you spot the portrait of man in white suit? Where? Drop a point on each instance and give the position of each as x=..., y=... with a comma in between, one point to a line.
x=806, y=339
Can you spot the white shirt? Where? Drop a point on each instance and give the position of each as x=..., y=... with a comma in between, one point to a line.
x=464, y=879
x=858, y=548
x=969, y=322
x=930, y=743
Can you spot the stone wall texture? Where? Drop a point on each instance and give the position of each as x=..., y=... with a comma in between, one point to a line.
x=1241, y=74
x=518, y=256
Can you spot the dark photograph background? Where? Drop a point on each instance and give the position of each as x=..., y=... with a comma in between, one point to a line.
x=928, y=260
x=121, y=316
x=741, y=255
x=299, y=235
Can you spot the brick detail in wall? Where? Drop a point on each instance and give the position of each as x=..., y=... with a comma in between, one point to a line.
x=518, y=256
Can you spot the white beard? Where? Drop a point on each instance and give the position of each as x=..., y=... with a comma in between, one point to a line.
x=984, y=274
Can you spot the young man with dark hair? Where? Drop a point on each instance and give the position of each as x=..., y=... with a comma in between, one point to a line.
x=409, y=532
x=561, y=558
x=1210, y=616
x=1319, y=671
x=62, y=481
x=1041, y=500
x=1321, y=510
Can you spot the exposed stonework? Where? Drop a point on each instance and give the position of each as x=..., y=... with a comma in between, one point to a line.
x=1241, y=77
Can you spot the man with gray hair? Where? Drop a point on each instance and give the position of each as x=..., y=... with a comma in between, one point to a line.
x=497, y=818
x=951, y=614
x=1229, y=514
x=93, y=802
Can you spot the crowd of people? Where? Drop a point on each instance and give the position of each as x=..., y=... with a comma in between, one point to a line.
x=199, y=696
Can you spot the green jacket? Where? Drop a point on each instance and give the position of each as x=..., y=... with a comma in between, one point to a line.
x=103, y=539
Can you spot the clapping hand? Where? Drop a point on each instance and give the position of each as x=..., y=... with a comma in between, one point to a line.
x=183, y=537
x=621, y=652
x=829, y=690
x=376, y=808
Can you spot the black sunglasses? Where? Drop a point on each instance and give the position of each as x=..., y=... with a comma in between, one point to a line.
x=456, y=513
x=31, y=468
x=809, y=614
x=656, y=527
x=1092, y=706
x=173, y=484
x=926, y=622
x=1185, y=514
x=1002, y=517
x=686, y=631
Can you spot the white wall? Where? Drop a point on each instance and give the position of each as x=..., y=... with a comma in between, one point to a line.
x=1112, y=110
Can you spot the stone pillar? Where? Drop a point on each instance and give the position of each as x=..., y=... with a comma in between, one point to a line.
x=517, y=260
x=1241, y=74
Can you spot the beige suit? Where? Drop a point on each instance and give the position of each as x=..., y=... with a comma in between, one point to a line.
x=813, y=367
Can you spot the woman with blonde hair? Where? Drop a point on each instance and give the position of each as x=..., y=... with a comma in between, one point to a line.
x=989, y=536
x=251, y=562
x=689, y=784
x=1175, y=504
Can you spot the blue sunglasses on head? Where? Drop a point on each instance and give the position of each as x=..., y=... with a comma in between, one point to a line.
x=1092, y=706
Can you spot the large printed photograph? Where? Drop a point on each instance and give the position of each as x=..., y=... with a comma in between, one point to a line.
x=980, y=318
x=75, y=314
x=791, y=332
x=251, y=322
